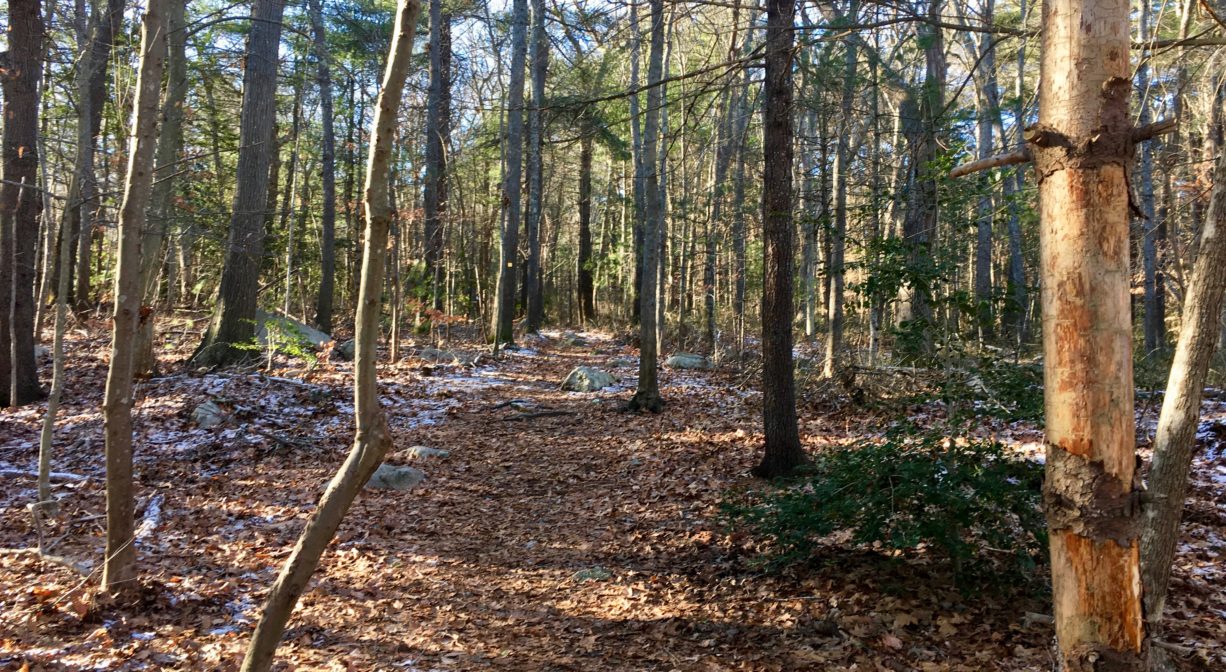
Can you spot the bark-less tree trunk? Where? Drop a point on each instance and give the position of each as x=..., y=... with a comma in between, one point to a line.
x=540, y=58
x=438, y=132
x=20, y=203
x=119, y=564
x=504, y=323
x=233, y=321
x=373, y=439
x=647, y=396
x=842, y=158
x=327, y=157
x=1175, y=438
x=1082, y=147
x=170, y=143
x=783, y=452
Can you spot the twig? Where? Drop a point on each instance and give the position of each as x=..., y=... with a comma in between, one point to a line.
x=1153, y=130
x=1173, y=648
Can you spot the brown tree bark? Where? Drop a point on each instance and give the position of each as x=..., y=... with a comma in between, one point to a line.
x=119, y=565
x=373, y=438
x=585, y=281
x=20, y=203
x=233, y=321
x=533, y=285
x=1082, y=148
x=783, y=452
x=438, y=134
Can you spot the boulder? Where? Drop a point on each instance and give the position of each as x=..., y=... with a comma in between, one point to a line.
x=395, y=477
x=587, y=379
x=344, y=351
x=685, y=360
x=208, y=415
x=285, y=327
x=422, y=452
x=623, y=363
x=574, y=340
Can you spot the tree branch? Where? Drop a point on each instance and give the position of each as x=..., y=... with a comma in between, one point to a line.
x=1007, y=159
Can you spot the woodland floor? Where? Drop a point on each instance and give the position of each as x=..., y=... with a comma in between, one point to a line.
x=585, y=541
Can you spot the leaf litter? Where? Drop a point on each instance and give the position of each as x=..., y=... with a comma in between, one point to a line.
x=588, y=539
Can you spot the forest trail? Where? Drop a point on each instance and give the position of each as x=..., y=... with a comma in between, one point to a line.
x=581, y=538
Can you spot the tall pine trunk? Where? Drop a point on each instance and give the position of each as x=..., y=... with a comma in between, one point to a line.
x=504, y=323
x=373, y=438
x=585, y=282
x=783, y=452
x=327, y=158
x=233, y=324
x=540, y=57
x=438, y=134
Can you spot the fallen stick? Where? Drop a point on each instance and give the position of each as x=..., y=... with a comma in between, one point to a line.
x=537, y=414
x=55, y=475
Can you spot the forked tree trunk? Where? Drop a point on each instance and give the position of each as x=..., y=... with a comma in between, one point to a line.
x=20, y=203
x=373, y=438
x=1083, y=148
x=1175, y=438
x=119, y=564
x=504, y=323
x=647, y=396
x=233, y=323
x=783, y=450
x=170, y=142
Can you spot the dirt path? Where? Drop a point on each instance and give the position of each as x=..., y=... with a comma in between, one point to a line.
x=588, y=540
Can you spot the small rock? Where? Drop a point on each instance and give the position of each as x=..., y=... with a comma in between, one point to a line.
x=41, y=351
x=345, y=351
x=685, y=360
x=574, y=340
x=623, y=363
x=395, y=477
x=587, y=379
x=420, y=452
x=596, y=573
x=208, y=415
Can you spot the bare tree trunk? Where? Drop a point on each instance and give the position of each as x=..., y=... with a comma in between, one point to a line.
x=20, y=203
x=1014, y=315
x=373, y=438
x=647, y=396
x=540, y=58
x=170, y=143
x=1175, y=438
x=504, y=326
x=986, y=101
x=842, y=158
x=1083, y=148
x=1153, y=325
x=234, y=318
x=119, y=564
x=783, y=452
x=323, y=77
